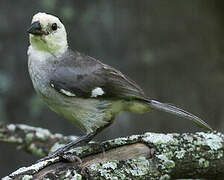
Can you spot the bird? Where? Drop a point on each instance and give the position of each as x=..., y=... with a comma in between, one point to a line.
x=81, y=88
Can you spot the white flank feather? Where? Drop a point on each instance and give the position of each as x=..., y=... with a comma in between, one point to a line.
x=97, y=92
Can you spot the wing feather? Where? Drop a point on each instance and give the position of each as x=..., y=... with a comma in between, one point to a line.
x=80, y=75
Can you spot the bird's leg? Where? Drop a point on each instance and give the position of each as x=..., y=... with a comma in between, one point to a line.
x=60, y=152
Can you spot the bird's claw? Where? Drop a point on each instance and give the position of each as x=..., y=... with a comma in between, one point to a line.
x=62, y=155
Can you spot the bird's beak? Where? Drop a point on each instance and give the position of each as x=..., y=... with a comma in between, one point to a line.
x=35, y=29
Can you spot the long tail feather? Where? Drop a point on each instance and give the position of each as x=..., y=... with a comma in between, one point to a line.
x=179, y=112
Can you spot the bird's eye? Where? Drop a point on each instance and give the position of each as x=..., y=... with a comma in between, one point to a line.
x=54, y=26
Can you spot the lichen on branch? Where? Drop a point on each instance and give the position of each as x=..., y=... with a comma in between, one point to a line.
x=151, y=155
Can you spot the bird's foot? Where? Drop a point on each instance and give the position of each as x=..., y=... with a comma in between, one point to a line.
x=96, y=146
x=62, y=154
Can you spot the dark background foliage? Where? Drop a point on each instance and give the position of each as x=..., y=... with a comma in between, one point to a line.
x=173, y=49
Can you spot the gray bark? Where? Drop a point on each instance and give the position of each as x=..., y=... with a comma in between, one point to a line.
x=147, y=156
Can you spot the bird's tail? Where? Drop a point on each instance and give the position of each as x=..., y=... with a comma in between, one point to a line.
x=178, y=112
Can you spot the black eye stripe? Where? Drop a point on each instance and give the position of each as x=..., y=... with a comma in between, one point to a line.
x=54, y=26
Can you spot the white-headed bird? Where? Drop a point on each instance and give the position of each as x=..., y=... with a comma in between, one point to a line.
x=81, y=88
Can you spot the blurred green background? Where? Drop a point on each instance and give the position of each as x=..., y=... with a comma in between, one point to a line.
x=173, y=49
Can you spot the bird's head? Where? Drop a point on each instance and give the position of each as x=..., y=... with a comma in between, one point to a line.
x=47, y=33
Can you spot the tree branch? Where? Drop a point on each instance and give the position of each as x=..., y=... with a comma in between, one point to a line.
x=151, y=155
x=37, y=141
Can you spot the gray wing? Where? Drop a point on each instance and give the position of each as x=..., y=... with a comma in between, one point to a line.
x=80, y=75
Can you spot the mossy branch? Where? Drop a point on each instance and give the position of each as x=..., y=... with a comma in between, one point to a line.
x=147, y=156
x=35, y=140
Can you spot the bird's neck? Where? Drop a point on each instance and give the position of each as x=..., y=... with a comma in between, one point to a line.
x=43, y=54
x=38, y=54
x=40, y=45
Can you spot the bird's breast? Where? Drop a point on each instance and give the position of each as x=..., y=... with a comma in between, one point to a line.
x=40, y=70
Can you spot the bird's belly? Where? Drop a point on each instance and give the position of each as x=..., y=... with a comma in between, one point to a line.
x=87, y=114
